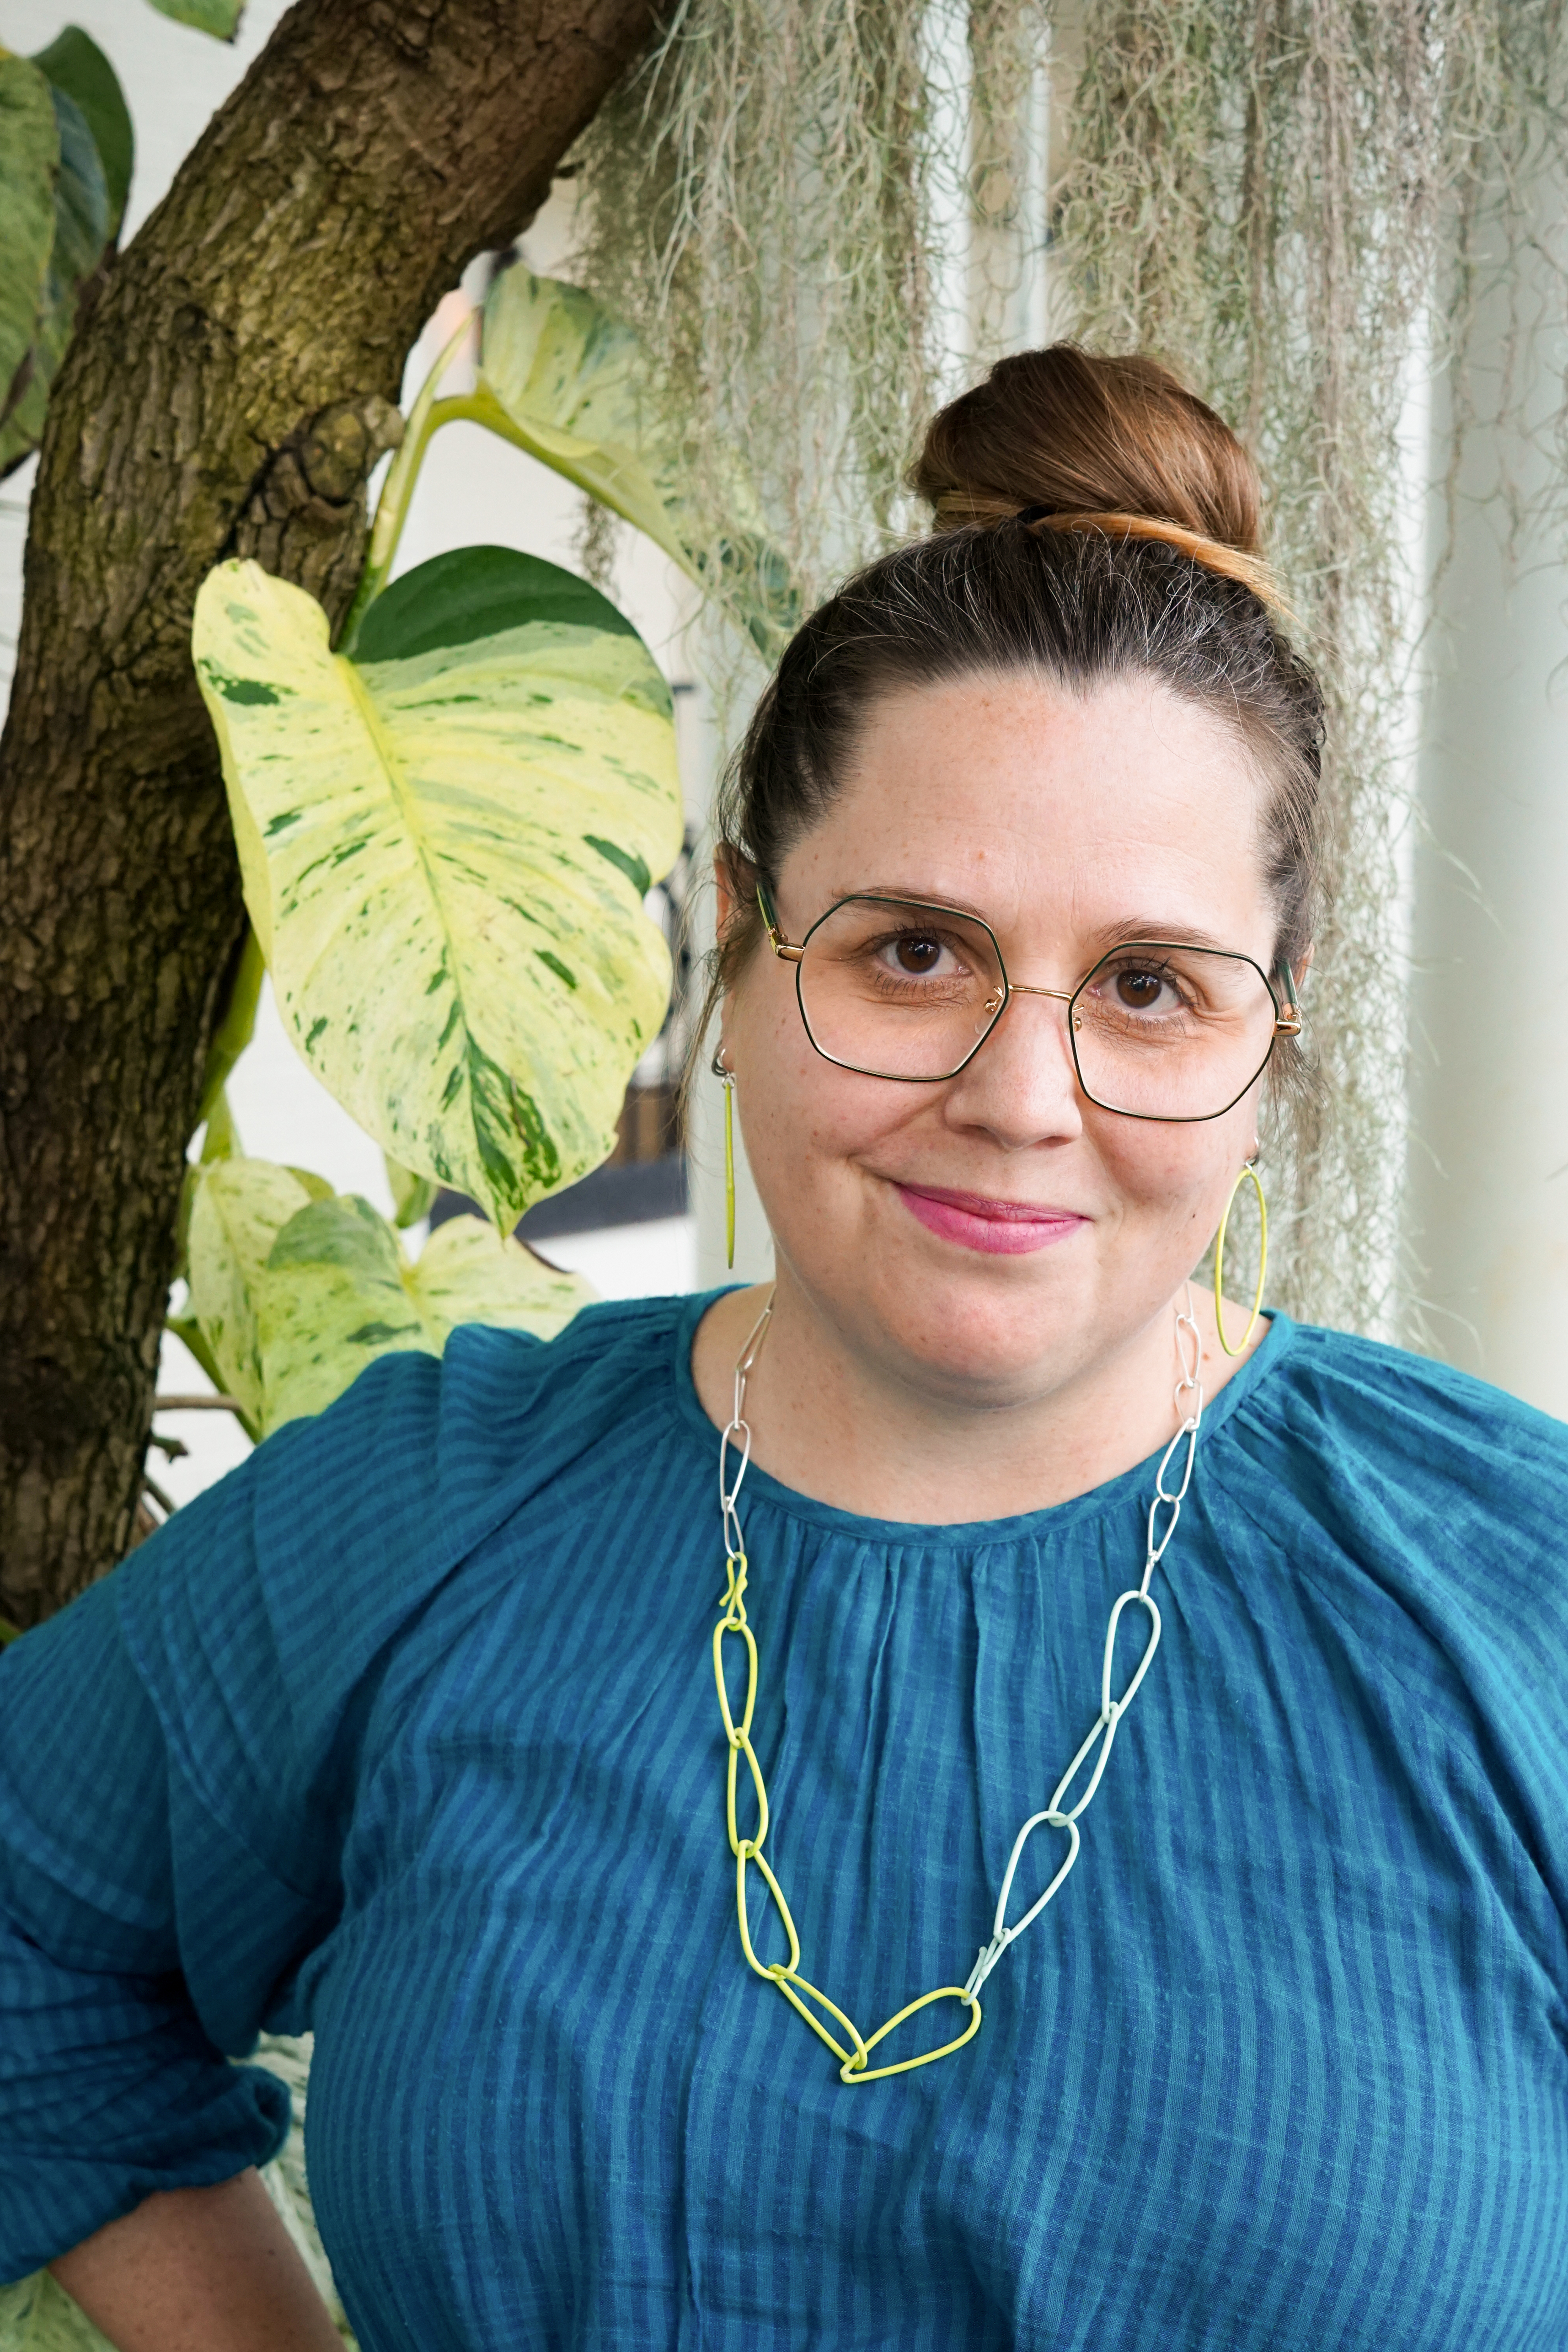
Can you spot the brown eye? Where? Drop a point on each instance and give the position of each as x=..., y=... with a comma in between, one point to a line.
x=916, y=953
x=1138, y=990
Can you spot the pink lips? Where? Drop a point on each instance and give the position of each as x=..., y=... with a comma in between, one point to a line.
x=1003, y=1228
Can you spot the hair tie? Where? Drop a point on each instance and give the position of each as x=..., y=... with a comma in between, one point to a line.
x=1229, y=562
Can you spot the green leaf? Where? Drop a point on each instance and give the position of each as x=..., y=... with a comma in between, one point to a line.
x=75, y=65
x=8, y=1632
x=292, y=1297
x=339, y=1291
x=219, y=18
x=81, y=242
x=238, y=1208
x=475, y=592
x=423, y=835
x=468, y=1273
x=236, y=1028
x=29, y=161
x=573, y=383
x=573, y=388
x=414, y=1197
x=221, y=1140
x=37, y=2315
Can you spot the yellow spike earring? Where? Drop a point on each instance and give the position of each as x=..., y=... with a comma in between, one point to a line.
x=1248, y=1173
x=722, y=1070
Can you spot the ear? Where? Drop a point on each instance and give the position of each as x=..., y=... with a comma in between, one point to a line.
x=735, y=885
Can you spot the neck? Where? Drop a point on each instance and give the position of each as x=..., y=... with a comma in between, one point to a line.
x=831, y=1422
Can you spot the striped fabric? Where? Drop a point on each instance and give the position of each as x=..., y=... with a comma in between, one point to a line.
x=406, y=1732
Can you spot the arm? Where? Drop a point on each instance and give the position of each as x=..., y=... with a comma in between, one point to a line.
x=199, y=2270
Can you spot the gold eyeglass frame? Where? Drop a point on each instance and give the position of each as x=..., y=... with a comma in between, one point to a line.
x=1287, y=1014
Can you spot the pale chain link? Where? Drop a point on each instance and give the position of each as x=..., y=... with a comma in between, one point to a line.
x=736, y=1436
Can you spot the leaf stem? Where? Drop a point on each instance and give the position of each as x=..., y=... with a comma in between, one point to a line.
x=425, y=419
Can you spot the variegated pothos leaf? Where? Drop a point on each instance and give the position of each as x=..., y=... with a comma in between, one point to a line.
x=444, y=844
x=295, y=1288
x=573, y=383
x=571, y=380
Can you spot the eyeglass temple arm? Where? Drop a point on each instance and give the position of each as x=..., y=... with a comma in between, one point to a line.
x=776, y=939
x=1289, y=1023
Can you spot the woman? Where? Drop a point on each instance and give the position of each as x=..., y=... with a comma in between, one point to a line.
x=408, y=1731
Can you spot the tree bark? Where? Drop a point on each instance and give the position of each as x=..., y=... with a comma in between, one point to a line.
x=228, y=393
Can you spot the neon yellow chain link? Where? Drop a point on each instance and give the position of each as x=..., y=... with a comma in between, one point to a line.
x=854, y=2064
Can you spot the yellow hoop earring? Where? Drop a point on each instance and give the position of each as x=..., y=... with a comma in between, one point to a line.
x=719, y=1071
x=1249, y=1170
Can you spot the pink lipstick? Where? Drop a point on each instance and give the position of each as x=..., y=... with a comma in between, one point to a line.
x=1002, y=1228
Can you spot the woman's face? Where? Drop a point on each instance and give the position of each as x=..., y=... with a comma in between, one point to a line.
x=996, y=1235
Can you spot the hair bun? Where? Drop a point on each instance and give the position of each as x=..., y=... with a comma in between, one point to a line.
x=1073, y=433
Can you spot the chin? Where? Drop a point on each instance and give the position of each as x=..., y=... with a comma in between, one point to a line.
x=989, y=1333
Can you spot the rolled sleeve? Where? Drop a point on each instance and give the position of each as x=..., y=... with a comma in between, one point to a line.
x=141, y=1939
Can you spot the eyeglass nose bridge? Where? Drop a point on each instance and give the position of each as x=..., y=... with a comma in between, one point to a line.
x=998, y=996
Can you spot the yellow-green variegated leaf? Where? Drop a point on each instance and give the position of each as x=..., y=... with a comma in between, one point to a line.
x=293, y=1288
x=468, y=1273
x=338, y=1291
x=330, y=1301
x=37, y=2315
x=572, y=386
x=572, y=380
x=446, y=842
x=238, y=1208
x=414, y=1197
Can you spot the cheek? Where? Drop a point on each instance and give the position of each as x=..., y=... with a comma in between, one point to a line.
x=1177, y=1176
x=803, y=1117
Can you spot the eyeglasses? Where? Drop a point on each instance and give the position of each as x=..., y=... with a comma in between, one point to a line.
x=907, y=989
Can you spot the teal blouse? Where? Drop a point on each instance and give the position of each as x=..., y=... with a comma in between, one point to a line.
x=406, y=1732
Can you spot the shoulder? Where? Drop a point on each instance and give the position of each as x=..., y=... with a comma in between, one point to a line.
x=314, y=1556
x=1395, y=1422
x=1427, y=1506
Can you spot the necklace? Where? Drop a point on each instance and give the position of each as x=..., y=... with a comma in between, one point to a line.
x=813, y=2005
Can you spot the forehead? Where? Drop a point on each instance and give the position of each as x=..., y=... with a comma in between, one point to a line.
x=1018, y=797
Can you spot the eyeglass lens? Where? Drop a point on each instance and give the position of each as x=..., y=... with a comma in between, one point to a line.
x=901, y=990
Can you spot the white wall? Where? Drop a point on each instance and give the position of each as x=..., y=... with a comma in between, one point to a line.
x=1488, y=1170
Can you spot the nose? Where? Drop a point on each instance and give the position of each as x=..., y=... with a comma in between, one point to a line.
x=1022, y=1085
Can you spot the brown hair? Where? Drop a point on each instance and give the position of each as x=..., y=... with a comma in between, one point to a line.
x=1093, y=520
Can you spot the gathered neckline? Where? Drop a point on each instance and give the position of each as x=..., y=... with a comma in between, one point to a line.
x=1050, y=1520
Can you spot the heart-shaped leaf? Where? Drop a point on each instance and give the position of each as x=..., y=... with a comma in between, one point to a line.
x=81, y=215
x=444, y=844
x=29, y=160
x=238, y=1208
x=75, y=64
x=571, y=385
x=572, y=380
x=295, y=1289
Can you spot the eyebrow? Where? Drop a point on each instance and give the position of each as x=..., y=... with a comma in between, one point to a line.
x=1154, y=931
